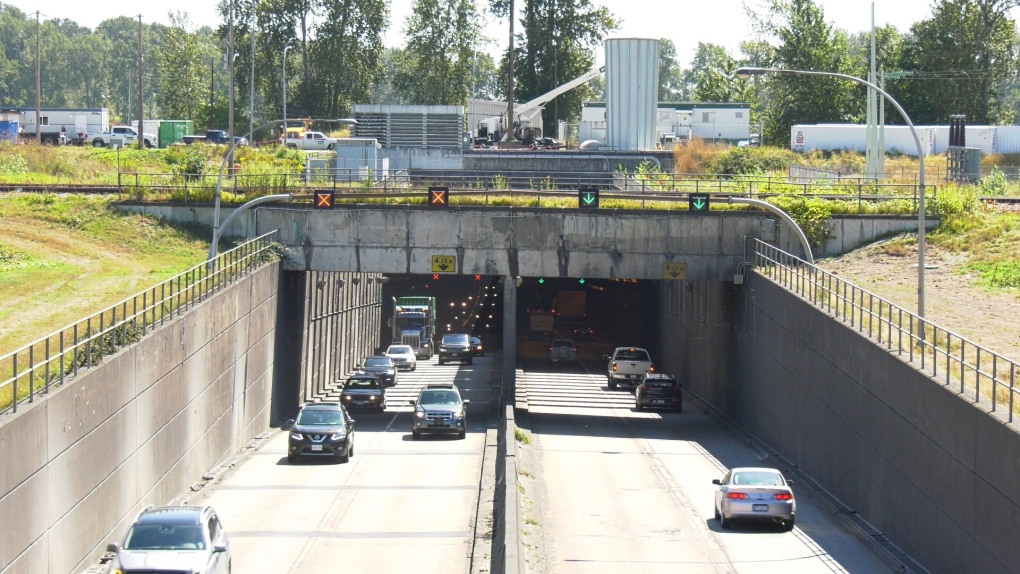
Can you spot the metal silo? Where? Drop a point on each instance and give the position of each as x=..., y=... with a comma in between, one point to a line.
x=632, y=92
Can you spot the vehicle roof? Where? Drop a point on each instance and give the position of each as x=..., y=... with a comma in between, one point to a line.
x=365, y=376
x=755, y=469
x=661, y=376
x=376, y=357
x=456, y=335
x=172, y=515
x=630, y=349
x=324, y=406
x=440, y=386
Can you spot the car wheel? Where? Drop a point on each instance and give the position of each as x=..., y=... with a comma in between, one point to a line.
x=725, y=523
x=440, y=362
x=350, y=449
x=291, y=459
x=461, y=434
x=415, y=367
x=97, y=143
x=678, y=408
x=788, y=525
x=612, y=385
x=639, y=406
x=415, y=434
x=716, y=513
x=345, y=457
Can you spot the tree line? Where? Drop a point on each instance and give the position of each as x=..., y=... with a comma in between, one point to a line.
x=962, y=58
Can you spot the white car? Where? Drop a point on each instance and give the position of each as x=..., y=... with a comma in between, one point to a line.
x=755, y=494
x=403, y=357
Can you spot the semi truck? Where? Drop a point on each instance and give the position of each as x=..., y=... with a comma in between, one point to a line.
x=414, y=324
x=570, y=305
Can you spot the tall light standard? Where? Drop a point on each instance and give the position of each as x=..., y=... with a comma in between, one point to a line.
x=284, y=135
x=745, y=73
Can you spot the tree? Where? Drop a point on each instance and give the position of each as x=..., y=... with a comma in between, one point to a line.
x=346, y=54
x=180, y=59
x=435, y=67
x=554, y=47
x=713, y=73
x=804, y=41
x=671, y=75
x=961, y=60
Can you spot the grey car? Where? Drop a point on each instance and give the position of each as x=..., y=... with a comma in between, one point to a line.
x=173, y=539
x=456, y=347
x=439, y=409
x=755, y=494
x=382, y=367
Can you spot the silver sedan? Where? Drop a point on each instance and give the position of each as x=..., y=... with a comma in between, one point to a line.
x=402, y=356
x=755, y=494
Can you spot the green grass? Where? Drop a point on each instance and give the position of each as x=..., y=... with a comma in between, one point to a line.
x=521, y=436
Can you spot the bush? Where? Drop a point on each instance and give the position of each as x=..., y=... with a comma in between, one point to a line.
x=751, y=161
x=993, y=185
x=189, y=161
x=953, y=202
x=810, y=214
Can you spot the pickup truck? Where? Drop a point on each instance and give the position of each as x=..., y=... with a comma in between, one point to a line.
x=210, y=137
x=310, y=141
x=628, y=366
x=122, y=136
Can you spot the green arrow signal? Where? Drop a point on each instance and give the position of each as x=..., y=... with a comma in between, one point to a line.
x=581, y=281
x=589, y=198
x=699, y=203
x=541, y=280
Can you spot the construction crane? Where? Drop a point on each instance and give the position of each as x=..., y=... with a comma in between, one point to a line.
x=494, y=129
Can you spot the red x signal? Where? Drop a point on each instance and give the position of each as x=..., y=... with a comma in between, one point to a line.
x=478, y=277
x=439, y=197
x=324, y=199
x=435, y=276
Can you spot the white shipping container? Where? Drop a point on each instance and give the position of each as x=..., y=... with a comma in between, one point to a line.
x=1007, y=139
x=982, y=137
x=898, y=139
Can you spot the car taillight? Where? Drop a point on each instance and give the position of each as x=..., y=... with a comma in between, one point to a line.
x=783, y=496
x=575, y=349
x=550, y=349
x=614, y=366
x=651, y=368
x=737, y=496
x=644, y=388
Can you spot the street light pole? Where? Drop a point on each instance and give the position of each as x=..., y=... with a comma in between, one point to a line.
x=284, y=135
x=745, y=73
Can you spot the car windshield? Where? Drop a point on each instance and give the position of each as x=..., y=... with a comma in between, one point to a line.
x=399, y=350
x=362, y=384
x=632, y=355
x=476, y=341
x=661, y=384
x=562, y=343
x=758, y=478
x=320, y=417
x=378, y=362
x=165, y=537
x=439, y=398
x=455, y=339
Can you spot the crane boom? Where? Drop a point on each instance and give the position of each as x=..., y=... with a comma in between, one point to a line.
x=545, y=98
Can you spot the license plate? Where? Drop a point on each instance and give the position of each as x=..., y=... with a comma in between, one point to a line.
x=760, y=507
x=361, y=402
x=659, y=402
x=439, y=423
x=316, y=448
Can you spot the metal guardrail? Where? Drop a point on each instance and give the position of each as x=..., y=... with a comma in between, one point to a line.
x=947, y=357
x=31, y=370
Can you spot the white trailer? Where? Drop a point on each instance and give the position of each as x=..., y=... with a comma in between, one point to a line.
x=74, y=124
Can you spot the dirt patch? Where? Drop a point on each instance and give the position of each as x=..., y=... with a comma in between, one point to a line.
x=954, y=299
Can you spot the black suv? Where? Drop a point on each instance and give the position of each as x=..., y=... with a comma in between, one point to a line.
x=456, y=347
x=658, y=391
x=322, y=429
x=439, y=409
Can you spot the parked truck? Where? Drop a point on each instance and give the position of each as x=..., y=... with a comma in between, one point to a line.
x=310, y=141
x=120, y=136
x=414, y=324
x=60, y=125
x=210, y=137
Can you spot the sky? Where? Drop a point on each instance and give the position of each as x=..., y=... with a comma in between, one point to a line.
x=686, y=22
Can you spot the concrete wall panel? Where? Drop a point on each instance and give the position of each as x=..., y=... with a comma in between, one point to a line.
x=485, y=262
x=581, y=233
x=22, y=446
x=92, y=460
x=81, y=405
x=34, y=560
x=25, y=518
x=155, y=356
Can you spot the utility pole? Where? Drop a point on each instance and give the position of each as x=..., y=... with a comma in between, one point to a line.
x=38, y=84
x=510, y=82
x=141, y=90
x=251, y=82
x=230, y=70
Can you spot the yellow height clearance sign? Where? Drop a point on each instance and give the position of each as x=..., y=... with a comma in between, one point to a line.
x=674, y=271
x=444, y=263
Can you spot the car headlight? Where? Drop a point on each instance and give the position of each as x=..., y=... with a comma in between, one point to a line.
x=426, y=345
x=339, y=436
x=372, y=398
x=296, y=436
x=459, y=413
x=442, y=349
x=419, y=413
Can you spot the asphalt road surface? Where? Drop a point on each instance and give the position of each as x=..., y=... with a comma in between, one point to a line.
x=609, y=489
x=400, y=505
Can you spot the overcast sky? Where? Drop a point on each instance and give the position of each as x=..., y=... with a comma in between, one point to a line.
x=685, y=22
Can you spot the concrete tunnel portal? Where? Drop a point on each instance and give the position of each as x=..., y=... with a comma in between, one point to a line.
x=599, y=313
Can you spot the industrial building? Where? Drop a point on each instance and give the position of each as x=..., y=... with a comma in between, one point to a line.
x=679, y=121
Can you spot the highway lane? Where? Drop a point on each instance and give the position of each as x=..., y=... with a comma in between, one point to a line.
x=400, y=505
x=609, y=489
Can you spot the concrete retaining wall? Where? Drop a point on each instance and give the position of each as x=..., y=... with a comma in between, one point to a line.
x=137, y=430
x=851, y=231
x=933, y=472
